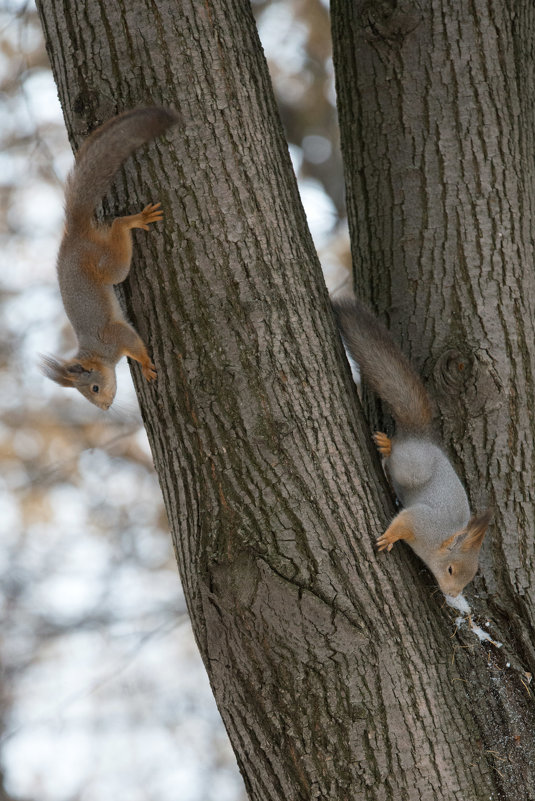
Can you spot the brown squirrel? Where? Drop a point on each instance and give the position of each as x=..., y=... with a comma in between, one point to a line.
x=435, y=520
x=93, y=257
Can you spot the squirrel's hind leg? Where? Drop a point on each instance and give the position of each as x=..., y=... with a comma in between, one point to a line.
x=150, y=214
x=383, y=444
x=116, y=243
x=412, y=462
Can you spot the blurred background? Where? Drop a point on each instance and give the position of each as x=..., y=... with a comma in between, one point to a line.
x=102, y=692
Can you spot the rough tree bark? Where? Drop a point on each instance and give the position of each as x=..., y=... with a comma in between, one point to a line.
x=437, y=120
x=338, y=673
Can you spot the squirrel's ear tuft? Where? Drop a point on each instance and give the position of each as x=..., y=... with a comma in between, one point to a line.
x=75, y=369
x=476, y=530
x=57, y=371
x=451, y=542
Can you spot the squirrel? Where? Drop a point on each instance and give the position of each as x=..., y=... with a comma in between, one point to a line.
x=435, y=520
x=93, y=257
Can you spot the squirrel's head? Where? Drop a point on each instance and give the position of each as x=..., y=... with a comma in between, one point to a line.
x=455, y=564
x=94, y=379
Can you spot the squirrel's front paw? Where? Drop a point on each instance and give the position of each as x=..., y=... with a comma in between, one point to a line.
x=384, y=542
x=149, y=371
x=151, y=214
x=399, y=529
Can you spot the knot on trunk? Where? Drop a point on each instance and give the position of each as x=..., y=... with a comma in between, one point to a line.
x=389, y=21
x=463, y=381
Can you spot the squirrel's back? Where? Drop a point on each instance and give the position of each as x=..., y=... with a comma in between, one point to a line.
x=422, y=474
x=102, y=154
x=383, y=366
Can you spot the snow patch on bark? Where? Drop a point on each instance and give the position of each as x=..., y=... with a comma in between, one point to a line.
x=461, y=604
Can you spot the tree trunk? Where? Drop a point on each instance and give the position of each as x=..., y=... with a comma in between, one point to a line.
x=334, y=669
x=437, y=119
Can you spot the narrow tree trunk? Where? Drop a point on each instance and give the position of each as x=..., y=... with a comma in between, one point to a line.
x=334, y=668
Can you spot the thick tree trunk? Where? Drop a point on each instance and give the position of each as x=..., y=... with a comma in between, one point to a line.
x=334, y=669
x=437, y=120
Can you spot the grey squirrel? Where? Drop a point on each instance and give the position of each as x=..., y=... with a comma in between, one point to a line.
x=92, y=258
x=435, y=520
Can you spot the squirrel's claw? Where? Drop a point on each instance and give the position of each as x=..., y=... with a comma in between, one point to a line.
x=383, y=443
x=399, y=529
x=149, y=371
x=151, y=214
x=383, y=543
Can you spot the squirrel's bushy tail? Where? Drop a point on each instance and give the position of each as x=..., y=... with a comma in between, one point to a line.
x=104, y=151
x=383, y=366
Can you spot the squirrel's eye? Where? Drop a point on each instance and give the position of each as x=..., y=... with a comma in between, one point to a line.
x=450, y=570
x=95, y=388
